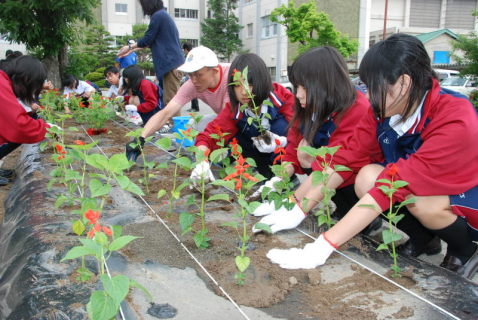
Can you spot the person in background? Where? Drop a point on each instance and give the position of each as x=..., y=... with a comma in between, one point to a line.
x=187, y=47
x=112, y=75
x=412, y=132
x=233, y=121
x=146, y=96
x=72, y=86
x=162, y=37
x=127, y=60
x=207, y=82
x=21, y=80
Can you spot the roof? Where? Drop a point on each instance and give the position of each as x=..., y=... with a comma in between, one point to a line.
x=425, y=37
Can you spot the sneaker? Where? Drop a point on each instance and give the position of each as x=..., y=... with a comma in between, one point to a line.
x=192, y=110
x=3, y=181
x=165, y=129
x=7, y=174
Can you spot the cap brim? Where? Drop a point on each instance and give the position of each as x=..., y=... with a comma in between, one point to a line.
x=189, y=67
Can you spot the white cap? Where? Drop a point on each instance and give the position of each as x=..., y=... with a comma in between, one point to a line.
x=131, y=41
x=199, y=58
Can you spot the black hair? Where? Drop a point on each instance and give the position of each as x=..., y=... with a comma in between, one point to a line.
x=135, y=75
x=111, y=69
x=151, y=6
x=27, y=75
x=386, y=61
x=257, y=76
x=323, y=73
x=187, y=46
x=8, y=52
x=68, y=80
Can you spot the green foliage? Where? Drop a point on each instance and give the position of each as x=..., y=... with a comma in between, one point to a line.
x=311, y=28
x=96, y=77
x=46, y=26
x=468, y=47
x=221, y=32
x=474, y=98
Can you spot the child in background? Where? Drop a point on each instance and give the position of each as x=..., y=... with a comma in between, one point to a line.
x=113, y=76
x=147, y=97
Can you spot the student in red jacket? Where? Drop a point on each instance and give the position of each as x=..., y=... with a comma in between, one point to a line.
x=21, y=80
x=233, y=121
x=328, y=108
x=147, y=97
x=419, y=133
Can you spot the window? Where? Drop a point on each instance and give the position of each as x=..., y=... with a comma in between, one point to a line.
x=193, y=42
x=185, y=13
x=269, y=29
x=272, y=71
x=121, y=8
x=209, y=14
x=250, y=30
x=441, y=57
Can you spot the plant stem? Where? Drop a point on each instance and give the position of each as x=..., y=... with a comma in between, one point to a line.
x=203, y=200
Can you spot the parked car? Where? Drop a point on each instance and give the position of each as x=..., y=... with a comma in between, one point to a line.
x=445, y=73
x=463, y=85
x=287, y=85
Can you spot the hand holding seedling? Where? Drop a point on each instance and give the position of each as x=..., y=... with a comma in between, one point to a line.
x=282, y=219
x=265, y=147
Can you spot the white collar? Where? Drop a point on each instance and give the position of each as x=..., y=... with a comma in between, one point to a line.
x=401, y=127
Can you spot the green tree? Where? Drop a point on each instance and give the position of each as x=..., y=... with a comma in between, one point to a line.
x=46, y=27
x=311, y=28
x=91, y=51
x=465, y=51
x=221, y=32
x=144, y=58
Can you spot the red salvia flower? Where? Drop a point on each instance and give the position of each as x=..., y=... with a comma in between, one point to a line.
x=393, y=170
x=79, y=142
x=61, y=156
x=107, y=231
x=92, y=216
x=280, y=151
x=241, y=168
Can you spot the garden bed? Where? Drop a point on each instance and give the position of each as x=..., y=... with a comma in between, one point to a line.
x=35, y=236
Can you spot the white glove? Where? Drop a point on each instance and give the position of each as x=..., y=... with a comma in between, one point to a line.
x=201, y=171
x=314, y=254
x=268, y=148
x=264, y=209
x=131, y=107
x=270, y=184
x=282, y=219
x=54, y=126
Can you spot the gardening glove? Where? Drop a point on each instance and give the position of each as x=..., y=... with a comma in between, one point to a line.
x=282, y=219
x=312, y=255
x=201, y=171
x=133, y=153
x=268, y=148
x=54, y=126
x=131, y=108
x=264, y=209
x=269, y=184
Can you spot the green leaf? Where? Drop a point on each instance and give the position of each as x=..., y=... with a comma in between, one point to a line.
x=78, y=227
x=408, y=201
x=126, y=184
x=185, y=221
x=200, y=239
x=384, y=181
x=101, y=239
x=118, y=163
x=399, y=184
x=223, y=183
x=84, y=274
x=322, y=219
x=164, y=143
x=72, y=175
x=161, y=193
x=74, y=129
x=250, y=120
x=390, y=236
x=101, y=306
x=371, y=206
x=60, y=201
x=263, y=227
x=183, y=162
x=162, y=165
x=117, y=231
x=242, y=263
x=98, y=189
x=220, y=196
x=339, y=167
x=397, y=218
x=78, y=251
x=386, y=190
x=120, y=242
x=97, y=161
x=218, y=155
x=317, y=177
x=117, y=287
x=382, y=246
x=311, y=151
x=135, y=284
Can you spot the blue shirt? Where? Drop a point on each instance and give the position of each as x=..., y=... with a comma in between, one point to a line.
x=162, y=37
x=127, y=61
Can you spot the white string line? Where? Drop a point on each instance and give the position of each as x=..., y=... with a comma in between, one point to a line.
x=181, y=243
x=387, y=279
x=354, y=261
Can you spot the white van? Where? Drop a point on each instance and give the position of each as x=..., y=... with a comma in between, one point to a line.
x=445, y=73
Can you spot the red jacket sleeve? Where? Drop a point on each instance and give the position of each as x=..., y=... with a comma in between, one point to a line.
x=287, y=99
x=16, y=125
x=293, y=139
x=150, y=96
x=223, y=123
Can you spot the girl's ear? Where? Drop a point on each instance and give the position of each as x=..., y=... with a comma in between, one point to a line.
x=406, y=83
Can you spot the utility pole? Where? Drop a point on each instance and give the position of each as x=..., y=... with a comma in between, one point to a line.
x=385, y=21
